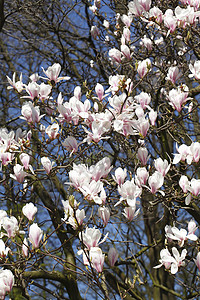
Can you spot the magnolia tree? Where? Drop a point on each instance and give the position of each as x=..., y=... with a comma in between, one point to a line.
x=100, y=187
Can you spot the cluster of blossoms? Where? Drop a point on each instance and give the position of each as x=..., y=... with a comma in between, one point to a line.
x=10, y=228
x=173, y=262
x=124, y=114
x=92, y=253
x=187, y=153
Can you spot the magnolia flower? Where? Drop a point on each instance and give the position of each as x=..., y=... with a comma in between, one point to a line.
x=130, y=212
x=155, y=182
x=47, y=164
x=129, y=192
x=33, y=89
x=29, y=210
x=6, y=282
x=45, y=90
x=70, y=143
x=91, y=237
x=35, y=235
x=173, y=74
x=147, y=43
x=31, y=113
x=10, y=225
x=173, y=262
x=97, y=258
x=153, y=116
x=95, y=32
x=77, y=221
x=53, y=72
x=104, y=214
x=18, y=86
x=52, y=131
x=115, y=55
x=25, y=159
x=112, y=256
x=162, y=166
x=120, y=175
x=19, y=173
x=177, y=98
x=142, y=155
x=143, y=67
x=143, y=99
x=141, y=176
x=195, y=69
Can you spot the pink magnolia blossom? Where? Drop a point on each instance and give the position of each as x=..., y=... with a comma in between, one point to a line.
x=138, y=7
x=147, y=43
x=115, y=55
x=130, y=212
x=127, y=34
x=112, y=256
x=45, y=90
x=125, y=50
x=155, y=182
x=33, y=89
x=97, y=258
x=99, y=91
x=195, y=69
x=25, y=159
x=95, y=32
x=34, y=77
x=142, y=155
x=141, y=176
x=157, y=14
x=53, y=72
x=47, y=164
x=173, y=233
x=162, y=166
x=144, y=67
x=173, y=74
x=35, y=235
x=172, y=262
x=104, y=214
x=182, y=153
x=19, y=173
x=31, y=113
x=153, y=117
x=194, y=187
x=184, y=183
x=170, y=21
x=127, y=20
x=129, y=191
x=177, y=97
x=70, y=144
x=91, y=237
x=18, y=86
x=93, y=191
x=120, y=175
x=77, y=221
x=192, y=227
x=29, y=210
x=52, y=131
x=6, y=282
x=143, y=99
x=10, y=225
